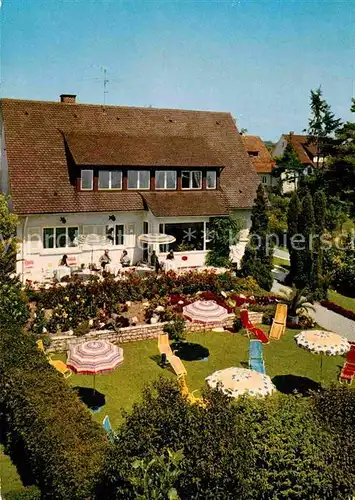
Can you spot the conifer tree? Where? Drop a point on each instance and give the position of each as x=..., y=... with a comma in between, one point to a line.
x=318, y=284
x=306, y=222
x=294, y=210
x=257, y=259
x=289, y=164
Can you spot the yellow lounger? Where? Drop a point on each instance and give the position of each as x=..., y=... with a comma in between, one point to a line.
x=60, y=367
x=279, y=324
x=163, y=344
x=177, y=365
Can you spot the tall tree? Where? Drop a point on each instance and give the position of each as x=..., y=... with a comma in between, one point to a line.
x=8, y=242
x=306, y=222
x=322, y=123
x=257, y=259
x=318, y=283
x=340, y=175
x=293, y=214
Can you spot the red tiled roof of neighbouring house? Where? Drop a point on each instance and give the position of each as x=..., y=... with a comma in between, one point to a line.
x=155, y=151
x=197, y=203
x=259, y=154
x=303, y=147
x=37, y=154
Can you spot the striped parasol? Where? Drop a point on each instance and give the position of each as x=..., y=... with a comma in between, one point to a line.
x=156, y=238
x=236, y=382
x=94, y=357
x=205, y=311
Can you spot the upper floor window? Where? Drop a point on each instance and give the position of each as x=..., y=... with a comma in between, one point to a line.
x=87, y=180
x=191, y=179
x=138, y=179
x=264, y=179
x=165, y=179
x=60, y=237
x=211, y=179
x=253, y=153
x=110, y=179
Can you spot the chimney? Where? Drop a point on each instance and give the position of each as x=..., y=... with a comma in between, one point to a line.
x=67, y=98
x=291, y=132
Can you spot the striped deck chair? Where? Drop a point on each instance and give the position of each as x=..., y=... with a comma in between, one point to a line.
x=256, y=360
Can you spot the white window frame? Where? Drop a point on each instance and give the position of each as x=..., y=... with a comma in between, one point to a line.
x=264, y=179
x=109, y=181
x=165, y=180
x=114, y=226
x=190, y=172
x=92, y=179
x=55, y=237
x=138, y=180
x=215, y=179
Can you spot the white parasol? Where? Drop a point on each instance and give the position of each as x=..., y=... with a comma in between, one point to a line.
x=236, y=382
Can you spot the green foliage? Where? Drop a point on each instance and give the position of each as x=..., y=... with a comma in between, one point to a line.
x=289, y=164
x=154, y=479
x=223, y=231
x=46, y=429
x=28, y=493
x=8, y=242
x=298, y=301
x=247, y=448
x=176, y=329
x=318, y=283
x=12, y=304
x=277, y=214
x=257, y=259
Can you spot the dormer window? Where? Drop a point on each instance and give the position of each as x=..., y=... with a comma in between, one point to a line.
x=253, y=154
x=191, y=179
x=138, y=179
x=165, y=179
x=110, y=179
x=87, y=180
x=211, y=179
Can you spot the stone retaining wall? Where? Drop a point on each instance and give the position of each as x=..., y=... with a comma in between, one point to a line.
x=60, y=343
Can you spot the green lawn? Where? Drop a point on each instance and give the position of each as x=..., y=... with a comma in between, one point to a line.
x=123, y=387
x=342, y=300
x=281, y=262
x=10, y=480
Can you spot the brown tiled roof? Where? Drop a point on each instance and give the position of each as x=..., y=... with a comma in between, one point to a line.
x=39, y=178
x=186, y=203
x=263, y=162
x=156, y=151
x=304, y=149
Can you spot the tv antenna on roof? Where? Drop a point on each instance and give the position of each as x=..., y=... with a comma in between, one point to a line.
x=105, y=82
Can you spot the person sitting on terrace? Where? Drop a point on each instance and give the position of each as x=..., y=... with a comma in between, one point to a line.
x=105, y=259
x=170, y=255
x=64, y=261
x=125, y=260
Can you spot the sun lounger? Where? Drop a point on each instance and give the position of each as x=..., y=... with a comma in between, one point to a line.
x=347, y=373
x=244, y=317
x=279, y=323
x=60, y=366
x=177, y=365
x=256, y=361
x=163, y=344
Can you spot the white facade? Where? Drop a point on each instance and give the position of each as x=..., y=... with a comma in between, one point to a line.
x=35, y=261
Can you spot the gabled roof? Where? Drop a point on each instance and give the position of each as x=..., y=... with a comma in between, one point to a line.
x=130, y=150
x=188, y=203
x=303, y=148
x=262, y=162
x=37, y=154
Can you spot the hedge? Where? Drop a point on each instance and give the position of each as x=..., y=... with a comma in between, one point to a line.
x=332, y=306
x=48, y=432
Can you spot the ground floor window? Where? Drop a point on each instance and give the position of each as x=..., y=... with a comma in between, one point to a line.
x=60, y=237
x=189, y=236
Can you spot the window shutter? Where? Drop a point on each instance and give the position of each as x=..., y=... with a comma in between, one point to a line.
x=33, y=240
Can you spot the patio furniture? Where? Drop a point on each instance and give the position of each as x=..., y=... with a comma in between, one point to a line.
x=347, y=373
x=256, y=360
x=163, y=344
x=235, y=382
x=250, y=328
x=61, y=271
x=177, y=365
x=279, y=323
x=205, y=311
x=108, y=428
x=60, y=366
x=94, y=357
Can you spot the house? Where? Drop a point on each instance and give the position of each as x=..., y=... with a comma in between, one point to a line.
x=74, y=170
x=261, y=159
x=306, y=152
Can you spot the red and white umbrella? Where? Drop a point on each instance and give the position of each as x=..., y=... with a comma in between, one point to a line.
x=205, y=311
x=94, y=357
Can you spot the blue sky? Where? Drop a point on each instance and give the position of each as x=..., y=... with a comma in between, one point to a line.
x=257, y=59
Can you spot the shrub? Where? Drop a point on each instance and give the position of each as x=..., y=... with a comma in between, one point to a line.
x=12, y=304
x=45, y=427
x=82, y=329
x=176, y=329
x=27, y=493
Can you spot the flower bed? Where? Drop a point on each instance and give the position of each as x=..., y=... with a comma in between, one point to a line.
x=332, y=306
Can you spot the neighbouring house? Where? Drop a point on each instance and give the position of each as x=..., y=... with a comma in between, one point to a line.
x=261, y=159
x=74, y=170
x=307, y=155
